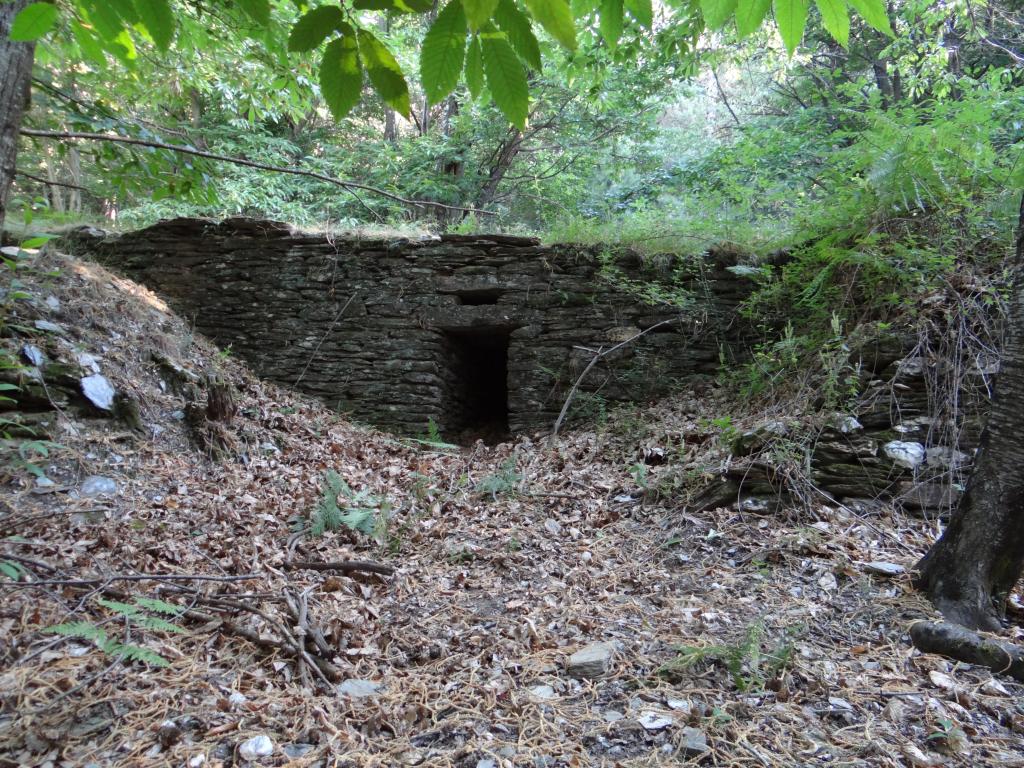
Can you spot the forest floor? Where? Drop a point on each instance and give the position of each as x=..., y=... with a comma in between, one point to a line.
x=728, y=638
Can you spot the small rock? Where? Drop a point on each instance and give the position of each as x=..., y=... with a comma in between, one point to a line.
x=552, y=526
x=754, y=505
x=680, y=705
x=919, y=759
x=237, y=699
x=545, y=692
x=612, y=715
x=359, y=689
x=884, y=569
x=33, y=354
x=44, y=482
x=694, y=742
x=296, y=751
x=946, y=457
x=53, y=303
x=169, y=734
x=994, y=688
x=592, y=661
x=845, y=424
x=256, y=747
x=827, y=581
x=197, y=762
x=654, y=721
x=942, y=680
x=98, y=391
x=486, y=763
x=89, y=362
x=46, y=325
x=96, y=485
x=906, y=455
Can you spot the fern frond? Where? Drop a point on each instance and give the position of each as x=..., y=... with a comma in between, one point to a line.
x=159, y=606
x=124, y=609
x=361, y=520
x=83, y=629
x=158, y=624
x=136, y=653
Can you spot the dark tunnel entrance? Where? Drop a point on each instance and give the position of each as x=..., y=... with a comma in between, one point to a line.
x=478, y=394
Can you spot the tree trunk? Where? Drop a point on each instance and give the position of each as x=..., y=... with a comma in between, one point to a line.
x=74, y=162
x=883, y=81
x=390, y=123
x=503, y=158
x=16, y=66
x=971, y=570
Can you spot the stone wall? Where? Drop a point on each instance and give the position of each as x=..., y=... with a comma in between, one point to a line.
x=486, y=334
x=463, y=330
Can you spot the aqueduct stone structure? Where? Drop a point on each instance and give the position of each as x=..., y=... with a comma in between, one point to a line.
x=474, y=332
x=486, y=334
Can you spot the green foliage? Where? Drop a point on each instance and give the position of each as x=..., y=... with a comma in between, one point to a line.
x=315, y=26
x=444, y=51
x=384, y=71
x=12, y=569
x=137, y=614
x=341, y=507
x=506, y=77
x=505, y=481
x=500, y=30
x=34, y=21
x=341, y=76
x=749, y=665
x=791, y=16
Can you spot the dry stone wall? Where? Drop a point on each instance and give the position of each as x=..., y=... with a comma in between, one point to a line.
x=487, y=333
x=472, y=332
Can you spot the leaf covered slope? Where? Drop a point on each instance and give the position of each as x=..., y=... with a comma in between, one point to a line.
x=758, y=640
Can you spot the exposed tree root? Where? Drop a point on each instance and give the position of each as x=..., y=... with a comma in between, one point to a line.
x=962, y=644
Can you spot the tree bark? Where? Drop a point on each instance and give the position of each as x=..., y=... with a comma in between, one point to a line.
x=503, y=158
x=16, y=66
x=971, y=570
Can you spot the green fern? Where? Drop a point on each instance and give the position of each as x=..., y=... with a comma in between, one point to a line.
x=123, y=608
x=361, y=520
x=85, y=630
x=159, y=606
x=11, y=569
x=157, y=624
x=746, y=663
x=133, y=614
x=339, y=506
x=504, y=481
x=135, y=653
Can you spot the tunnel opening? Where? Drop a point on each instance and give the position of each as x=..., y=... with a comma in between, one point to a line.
x=477, y=405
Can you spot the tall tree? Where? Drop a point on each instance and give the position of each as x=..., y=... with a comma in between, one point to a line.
x=971, y=570
x=16, y=65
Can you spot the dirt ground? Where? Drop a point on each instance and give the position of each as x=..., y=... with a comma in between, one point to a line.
x=729, y=638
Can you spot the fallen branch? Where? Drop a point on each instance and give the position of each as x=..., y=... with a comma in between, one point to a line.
x=345, y=566
x=962, y=644
x=126, y=577
x=599, y=355
x=324, y=669
x=348, y=185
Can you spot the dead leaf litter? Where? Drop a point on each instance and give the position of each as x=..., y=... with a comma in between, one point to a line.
x=546, y=608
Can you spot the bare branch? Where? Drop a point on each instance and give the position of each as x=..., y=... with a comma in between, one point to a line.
x=598, y=355
x=347, y=185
